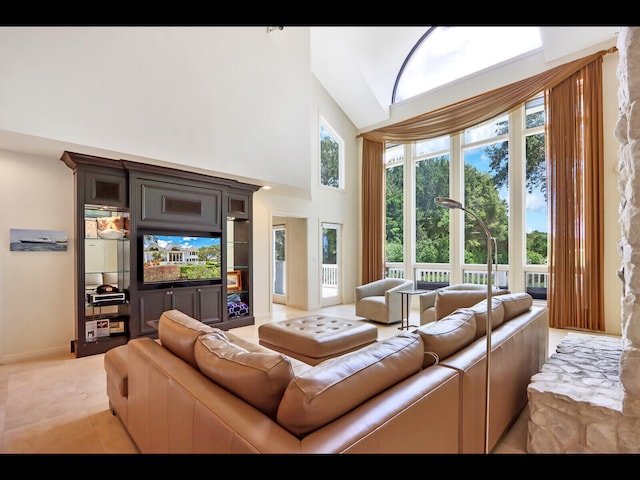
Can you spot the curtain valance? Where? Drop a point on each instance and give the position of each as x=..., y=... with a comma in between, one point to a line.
x=472, y=111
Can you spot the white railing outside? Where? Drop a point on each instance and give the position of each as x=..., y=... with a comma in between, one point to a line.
x=537, y=279
x=433, y=275
x=329, y=275
x=395, y=271
x=533, y=279
x=498, y=278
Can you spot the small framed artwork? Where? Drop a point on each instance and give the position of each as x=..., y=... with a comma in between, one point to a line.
x=90, y=229
x=23, y=240
x=234, y=281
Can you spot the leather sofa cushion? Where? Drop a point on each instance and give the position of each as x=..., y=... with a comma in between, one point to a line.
x=449, y=300
x=259, y=378
x=447, y=336
x=336, y=386
x=515, y=304
x=178, y=333
x=480, y=311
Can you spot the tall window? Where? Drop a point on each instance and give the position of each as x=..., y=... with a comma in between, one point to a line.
x=486, y=191
x=331, y=157
x=394, y=186
x=478, y=168
x=536, y=178
x=432, y=180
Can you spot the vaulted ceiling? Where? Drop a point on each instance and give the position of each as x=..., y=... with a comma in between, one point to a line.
x=358, y=66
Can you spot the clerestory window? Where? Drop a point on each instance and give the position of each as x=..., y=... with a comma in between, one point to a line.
x=446, y=54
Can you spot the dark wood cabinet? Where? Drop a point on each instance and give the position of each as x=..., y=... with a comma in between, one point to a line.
x=102, y=254
x=239, y=257
x=182, y=206
x=238, y=205
x=202, y=303
x=143, y=199
x=105, y=189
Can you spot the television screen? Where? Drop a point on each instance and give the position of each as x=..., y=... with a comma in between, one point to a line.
x=180, y=258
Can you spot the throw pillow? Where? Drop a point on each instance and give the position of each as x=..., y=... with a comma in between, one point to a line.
x=445, y=337
x=480, y=310
x=178, y=333
x=515, y=304
x=340, y=384
x=259, y=378
x=448, y=301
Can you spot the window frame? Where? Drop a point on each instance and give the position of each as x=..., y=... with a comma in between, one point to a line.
x=517, y=269
x=330, y=132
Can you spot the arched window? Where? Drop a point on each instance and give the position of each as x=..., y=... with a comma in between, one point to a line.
x=446, y=54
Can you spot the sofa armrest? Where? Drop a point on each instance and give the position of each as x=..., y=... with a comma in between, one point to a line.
x=427, y=300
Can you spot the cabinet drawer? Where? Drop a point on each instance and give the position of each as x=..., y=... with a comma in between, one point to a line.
x=182, y=206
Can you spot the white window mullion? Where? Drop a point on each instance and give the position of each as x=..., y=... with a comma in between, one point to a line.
x=456, y=226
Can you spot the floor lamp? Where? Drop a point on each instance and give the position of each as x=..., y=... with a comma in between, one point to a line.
x=454, y=204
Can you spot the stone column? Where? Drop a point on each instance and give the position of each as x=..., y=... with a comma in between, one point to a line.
x=627, y=133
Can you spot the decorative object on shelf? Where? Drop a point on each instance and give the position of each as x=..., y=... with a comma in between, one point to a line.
x=90, y=328
x=234, y=281
x=21, y=240
x=111, y=228
x=115, y=222
x=90, y=229
x=455, y=205
x=106, y=288
x=111, y=234
x=235, y=306
x=102, y=328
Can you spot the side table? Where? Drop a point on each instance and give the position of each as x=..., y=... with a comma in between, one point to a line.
x=406, y=306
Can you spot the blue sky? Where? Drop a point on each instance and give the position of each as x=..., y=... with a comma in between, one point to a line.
x=536, y=209
x=197, y=242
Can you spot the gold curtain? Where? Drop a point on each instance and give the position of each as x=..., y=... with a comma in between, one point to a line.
x=575, y=158
x=373, y=258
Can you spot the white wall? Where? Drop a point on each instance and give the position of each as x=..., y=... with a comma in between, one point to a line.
x=232, y=100
x=36, y=288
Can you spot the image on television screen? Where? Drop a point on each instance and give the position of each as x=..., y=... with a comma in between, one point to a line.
x=180, y=258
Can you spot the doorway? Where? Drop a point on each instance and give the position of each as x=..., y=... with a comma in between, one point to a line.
x=279, y=249
x=288, y=261
x=330, y=267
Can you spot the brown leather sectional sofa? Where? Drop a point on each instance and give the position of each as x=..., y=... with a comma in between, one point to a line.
x=198, y=389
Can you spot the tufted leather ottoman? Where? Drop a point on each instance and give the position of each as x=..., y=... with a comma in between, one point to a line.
x=315, y=338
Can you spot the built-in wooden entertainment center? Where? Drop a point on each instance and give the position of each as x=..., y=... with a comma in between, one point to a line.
x=124, y=210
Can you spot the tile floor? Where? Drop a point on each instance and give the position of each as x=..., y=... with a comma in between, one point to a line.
x=58, y=404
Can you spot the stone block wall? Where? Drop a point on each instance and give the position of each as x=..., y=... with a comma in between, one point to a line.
x=627, y=133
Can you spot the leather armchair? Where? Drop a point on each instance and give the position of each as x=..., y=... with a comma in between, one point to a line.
x=380, y=300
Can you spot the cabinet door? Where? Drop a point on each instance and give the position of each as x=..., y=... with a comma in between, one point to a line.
x=210, y=304
x=152, y=304
x=185, y=300
x=105, y=189
x=181, y=206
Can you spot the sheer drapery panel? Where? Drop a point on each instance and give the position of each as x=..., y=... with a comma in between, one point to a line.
x=575, y=159
x=373, y=259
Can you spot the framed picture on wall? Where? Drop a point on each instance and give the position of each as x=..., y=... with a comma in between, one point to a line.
x=234, y=281
x=23, y=240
